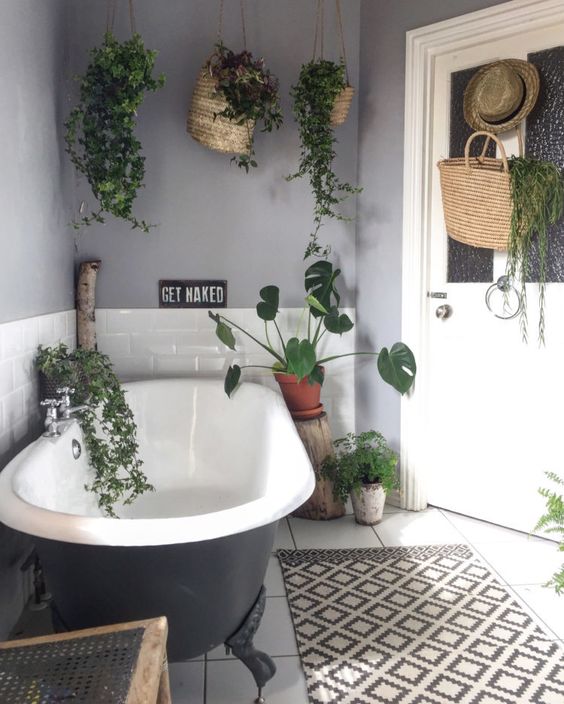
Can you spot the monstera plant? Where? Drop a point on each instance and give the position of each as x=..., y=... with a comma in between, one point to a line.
x=299, y=355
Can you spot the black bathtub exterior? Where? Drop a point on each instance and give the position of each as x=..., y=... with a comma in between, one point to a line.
x=205, y=589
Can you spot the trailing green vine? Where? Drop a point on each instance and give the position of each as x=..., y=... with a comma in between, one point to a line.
x=100, y=137
x=107, y=424
x=319, y=83
x=537, y=189
x=553, y=522
x=250, y=90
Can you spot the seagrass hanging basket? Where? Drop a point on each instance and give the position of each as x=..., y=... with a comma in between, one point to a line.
x=476, y=194
x=341, y=106
x=209, y=128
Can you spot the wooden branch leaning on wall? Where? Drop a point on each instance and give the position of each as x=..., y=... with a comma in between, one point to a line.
x=86, y=304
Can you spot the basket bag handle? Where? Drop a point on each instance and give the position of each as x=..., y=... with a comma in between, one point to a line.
x=489, y=136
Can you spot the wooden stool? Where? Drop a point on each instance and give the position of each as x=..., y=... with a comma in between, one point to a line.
x=84, y=659
x=316, y=437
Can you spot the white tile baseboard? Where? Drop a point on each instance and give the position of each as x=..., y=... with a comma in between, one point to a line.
x=20, y=420
x=151, y=343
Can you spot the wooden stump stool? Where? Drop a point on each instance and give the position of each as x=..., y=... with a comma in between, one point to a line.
x=316, y=437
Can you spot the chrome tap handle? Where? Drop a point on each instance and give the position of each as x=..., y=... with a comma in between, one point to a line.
x=66, y=393
x=51, y=403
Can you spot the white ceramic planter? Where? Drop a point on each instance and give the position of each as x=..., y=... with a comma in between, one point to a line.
x=368, y=504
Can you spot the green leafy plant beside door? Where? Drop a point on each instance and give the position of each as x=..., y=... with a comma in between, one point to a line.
x=100, y=137
x=553, y=522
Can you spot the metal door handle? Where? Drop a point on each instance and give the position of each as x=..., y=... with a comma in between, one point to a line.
x=443, y=312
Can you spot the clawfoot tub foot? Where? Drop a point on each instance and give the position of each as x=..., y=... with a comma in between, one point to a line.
x=241, y=644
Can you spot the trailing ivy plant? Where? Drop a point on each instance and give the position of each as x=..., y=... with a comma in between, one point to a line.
x=553, y=522
x=537, y=189
x=100, y=136
x=108, y=425
x=250, y=90
x=319, y=83
x=360, y=459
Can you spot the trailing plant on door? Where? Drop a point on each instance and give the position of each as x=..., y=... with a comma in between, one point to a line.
x=537, y=190
x=100, y=137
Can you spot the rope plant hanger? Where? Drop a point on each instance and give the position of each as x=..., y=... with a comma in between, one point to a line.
x=322, y=98
x=100, y=137
x=232, y=93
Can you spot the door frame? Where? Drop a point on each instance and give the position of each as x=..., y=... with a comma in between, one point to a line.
x=423, y=46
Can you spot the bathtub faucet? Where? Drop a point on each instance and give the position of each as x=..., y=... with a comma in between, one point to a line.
x=67, y=410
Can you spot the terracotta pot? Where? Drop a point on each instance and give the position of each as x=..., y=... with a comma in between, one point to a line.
x=302, y=398
x=368, y=504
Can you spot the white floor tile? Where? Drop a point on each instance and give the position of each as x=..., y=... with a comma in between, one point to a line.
x=229, y=682
x=531, y=561
x=275, y=635
x=546, y=603
x=274, y=582
x=187, y=682
x=339, y=533
x=476, y=531
x=417, y=528
x=283, y=537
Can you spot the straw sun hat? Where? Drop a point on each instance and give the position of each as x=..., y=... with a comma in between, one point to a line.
x=500, y=95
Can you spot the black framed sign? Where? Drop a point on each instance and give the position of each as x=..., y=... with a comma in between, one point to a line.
x=183, y=293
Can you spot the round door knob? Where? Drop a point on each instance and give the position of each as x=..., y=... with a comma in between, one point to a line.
x=443, y=312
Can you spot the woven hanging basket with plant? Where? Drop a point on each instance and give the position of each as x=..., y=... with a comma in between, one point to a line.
x=100, y=137
x=233, y=92
x=321, y=100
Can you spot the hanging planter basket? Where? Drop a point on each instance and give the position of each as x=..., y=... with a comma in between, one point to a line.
x=209, y=128
x=341, y=106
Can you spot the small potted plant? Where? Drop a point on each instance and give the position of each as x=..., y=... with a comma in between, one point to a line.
x=365, y=468
x=320, y=84
x=100, y=138
x=233, y=93
x=297, y=365
x=553, y=522
x=107, y=423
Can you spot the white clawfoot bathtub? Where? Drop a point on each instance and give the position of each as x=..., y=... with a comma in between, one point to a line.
x=224, y=471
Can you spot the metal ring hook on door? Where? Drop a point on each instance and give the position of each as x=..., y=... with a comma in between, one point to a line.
x=505, y=287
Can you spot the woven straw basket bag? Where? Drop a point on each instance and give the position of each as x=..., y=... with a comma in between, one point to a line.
x=476, y=193
x=210, y=129
x=341, y=106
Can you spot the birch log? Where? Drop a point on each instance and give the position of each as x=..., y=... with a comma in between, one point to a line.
x=86, y=304
x=316, y=437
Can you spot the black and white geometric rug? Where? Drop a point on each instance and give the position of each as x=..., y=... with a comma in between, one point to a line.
x=415, y=625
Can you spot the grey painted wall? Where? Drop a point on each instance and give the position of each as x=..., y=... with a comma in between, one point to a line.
x=379, y=230
x=36, y=271
x=215, y=221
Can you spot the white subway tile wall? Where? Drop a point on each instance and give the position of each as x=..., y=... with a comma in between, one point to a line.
x=19, y=392
x=148, y=343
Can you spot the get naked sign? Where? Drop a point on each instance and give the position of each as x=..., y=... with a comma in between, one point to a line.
x=181, y=293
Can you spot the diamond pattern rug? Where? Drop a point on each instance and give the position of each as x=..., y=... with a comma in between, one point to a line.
x=415, y=625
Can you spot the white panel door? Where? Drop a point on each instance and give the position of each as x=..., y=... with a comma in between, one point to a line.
x=493, y=420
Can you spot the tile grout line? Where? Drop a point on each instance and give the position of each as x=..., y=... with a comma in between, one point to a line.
x=509, y=587
x=291, y=532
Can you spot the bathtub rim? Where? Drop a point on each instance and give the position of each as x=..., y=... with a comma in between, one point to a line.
x=21, y=515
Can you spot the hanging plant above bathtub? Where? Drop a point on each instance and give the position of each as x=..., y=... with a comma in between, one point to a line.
x=319, y=85
x=100, y=137
x=107, y=424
